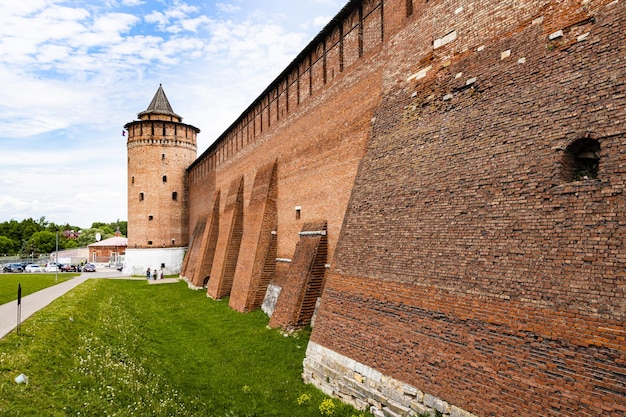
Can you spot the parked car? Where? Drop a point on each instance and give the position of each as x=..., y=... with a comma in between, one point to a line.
x=33, y=268
x=89, y=268
x=52, y=267
x=13, y=268
x=68, y=268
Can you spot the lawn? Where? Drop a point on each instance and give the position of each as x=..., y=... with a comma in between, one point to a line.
x=30, y=283
x=126, y=348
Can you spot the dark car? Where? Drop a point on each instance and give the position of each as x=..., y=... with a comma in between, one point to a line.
x=89, y=268
x=68, y=268
x=13, y=268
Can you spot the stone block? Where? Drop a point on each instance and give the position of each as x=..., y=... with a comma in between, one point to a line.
x=387, y=412
x=458, y=412
x=409, y=390
x=398, y=408
x=436, y=403
x=377, y=412
x=419, y=408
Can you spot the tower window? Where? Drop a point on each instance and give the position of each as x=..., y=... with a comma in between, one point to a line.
x=582, y=160
x=132, y=180
x=164, y=179
x=150, y=217
x=140, y=196
x=298, y=212
x=175, y=196
x=150, y=242
x=162, y=156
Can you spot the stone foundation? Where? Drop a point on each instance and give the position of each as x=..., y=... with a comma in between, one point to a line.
x=367, y=389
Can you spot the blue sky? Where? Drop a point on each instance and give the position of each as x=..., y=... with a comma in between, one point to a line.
x=74, y=72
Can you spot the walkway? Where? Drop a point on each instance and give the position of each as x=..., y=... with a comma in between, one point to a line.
x=36, y=301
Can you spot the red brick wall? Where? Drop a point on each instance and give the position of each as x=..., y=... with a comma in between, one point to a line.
x=299, y=123
x=158, y=148
x=469, y=265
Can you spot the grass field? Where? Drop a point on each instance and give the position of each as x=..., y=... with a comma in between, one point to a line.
x=126, y=348
x=30, y=283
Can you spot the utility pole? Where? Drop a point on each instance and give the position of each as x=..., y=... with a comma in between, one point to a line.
x=56, y=254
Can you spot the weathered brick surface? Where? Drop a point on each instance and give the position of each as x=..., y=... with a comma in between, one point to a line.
x=300, y=123
x=260, y=223
x=160, y=148
x=305, y=279
x=469, y=265
x=229, y=238
x=469, y=274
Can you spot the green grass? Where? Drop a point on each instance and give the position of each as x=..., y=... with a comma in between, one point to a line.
x=126, y=348
x=30, y=283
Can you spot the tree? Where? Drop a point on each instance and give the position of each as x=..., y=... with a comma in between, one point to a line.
x=42, y=242
x=20, y=237
x=88, y=236
x=7, y=246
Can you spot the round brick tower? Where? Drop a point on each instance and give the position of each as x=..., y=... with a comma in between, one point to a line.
x=160, y=148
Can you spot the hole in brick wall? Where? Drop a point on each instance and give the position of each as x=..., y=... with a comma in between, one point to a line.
x=151, y=217
x=150, y=242
x=174, y=196
x=582, y=160
x=140, y=196
x=164, y=179
x=132, y=180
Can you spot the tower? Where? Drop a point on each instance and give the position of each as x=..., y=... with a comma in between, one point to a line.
x=160, y=148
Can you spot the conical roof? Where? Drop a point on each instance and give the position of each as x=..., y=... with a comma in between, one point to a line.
x=160, y=105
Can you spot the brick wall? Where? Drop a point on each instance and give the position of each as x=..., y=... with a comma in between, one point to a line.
x=159, y=151
x=438, y=142
x=470, y=266
x=300, y=125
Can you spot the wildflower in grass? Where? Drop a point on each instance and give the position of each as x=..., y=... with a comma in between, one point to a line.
x=246, y=389
x=303, y=399
x=327, y=407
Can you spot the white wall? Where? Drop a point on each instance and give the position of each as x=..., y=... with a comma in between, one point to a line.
x=138, y=260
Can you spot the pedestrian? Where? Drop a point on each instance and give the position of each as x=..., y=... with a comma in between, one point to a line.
x=161, y=276
x=155, y=274
x=148, y=273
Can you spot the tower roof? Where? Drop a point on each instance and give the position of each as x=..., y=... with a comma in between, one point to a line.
x=160, y=105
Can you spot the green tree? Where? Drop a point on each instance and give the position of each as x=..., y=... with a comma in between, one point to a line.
x=7, y=246
x=123, y=225
x=70, y=243
x=88, y=236
x=42, y=242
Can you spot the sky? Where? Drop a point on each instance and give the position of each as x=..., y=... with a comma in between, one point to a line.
x=74, y=72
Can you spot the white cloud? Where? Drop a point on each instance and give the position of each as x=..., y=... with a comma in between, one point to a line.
x=85, y=68
x=227, y=8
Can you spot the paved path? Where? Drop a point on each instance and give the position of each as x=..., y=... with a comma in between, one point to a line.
x=38, y=300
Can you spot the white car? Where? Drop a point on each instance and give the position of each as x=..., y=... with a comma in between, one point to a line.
x=52, y=268
x=33, y=268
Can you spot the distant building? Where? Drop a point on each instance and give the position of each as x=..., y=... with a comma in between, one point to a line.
x=108, y=250
x=72, y=256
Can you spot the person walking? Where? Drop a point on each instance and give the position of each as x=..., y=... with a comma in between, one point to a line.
x=148, y=273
